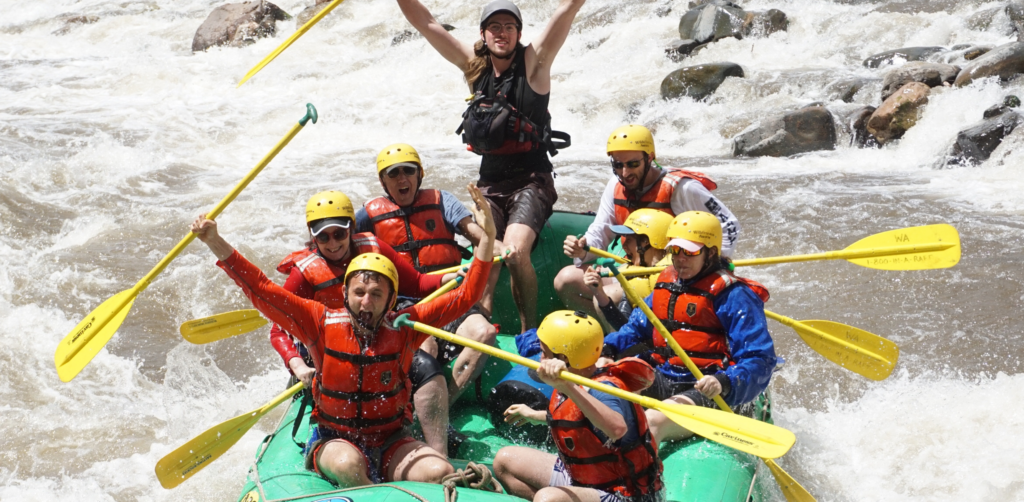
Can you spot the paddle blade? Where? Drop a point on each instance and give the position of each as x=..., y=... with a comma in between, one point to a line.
x=221, y=326
x=90, y=336
x=790, y=488
x=735, y=431
x=193, y=456
x=860, y=351
x=929, y=234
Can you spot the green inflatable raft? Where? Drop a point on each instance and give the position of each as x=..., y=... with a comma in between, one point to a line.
x=696, y=470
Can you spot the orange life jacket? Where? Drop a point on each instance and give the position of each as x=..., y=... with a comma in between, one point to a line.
x=362, y=393
x=327, y=281
x=658, y=197
x=631, y=469
x=688, y=312
x=418, y=232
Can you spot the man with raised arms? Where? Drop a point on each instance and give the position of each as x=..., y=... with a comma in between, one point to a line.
x=361, y=388
x=511, y=85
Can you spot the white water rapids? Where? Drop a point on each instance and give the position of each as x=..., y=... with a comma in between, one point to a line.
x=114, y=136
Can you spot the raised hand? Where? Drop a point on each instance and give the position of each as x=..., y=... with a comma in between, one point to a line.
x=575, y=248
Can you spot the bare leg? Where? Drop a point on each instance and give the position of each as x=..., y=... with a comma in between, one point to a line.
x=418, y=462
x=431, y=401
x=470, y=363
x=342, y=463
x=524, y=277
x=664, y=429
x=487, y=300
x=575, y=295
x=523, y=471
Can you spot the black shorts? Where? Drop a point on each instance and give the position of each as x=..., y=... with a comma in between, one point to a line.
x=528, y=200
x=424, y=367
x=663, y=388
x=448, y=351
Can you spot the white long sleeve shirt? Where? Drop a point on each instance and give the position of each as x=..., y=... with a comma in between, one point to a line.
x=689, y=195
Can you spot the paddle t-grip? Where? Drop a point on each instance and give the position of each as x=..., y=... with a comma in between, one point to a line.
x=609, y=264
x=310, y=115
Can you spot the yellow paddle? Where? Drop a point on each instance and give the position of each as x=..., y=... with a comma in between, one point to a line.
x=200, y=451
x=793, y=491
x=456, y=268
x=221, y=326
x=605, y=254
x=862, y=352
x=87, y=338
x=914, y=248
x=295, y=36
x=735, y=431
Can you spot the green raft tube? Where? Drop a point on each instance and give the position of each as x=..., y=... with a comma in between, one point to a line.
x=696, y=469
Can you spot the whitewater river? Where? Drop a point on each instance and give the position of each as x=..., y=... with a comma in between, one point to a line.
x=113, y=136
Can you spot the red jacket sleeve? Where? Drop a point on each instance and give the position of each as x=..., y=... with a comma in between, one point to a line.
x=280, y=339
x=411, y=282
x=302, y=318
x=451, y=305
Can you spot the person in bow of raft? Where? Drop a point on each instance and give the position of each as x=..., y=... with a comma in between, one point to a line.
x=638, y=182
x=420, y=224
x=605, y=451
x=317, y=271
x=361, y=390
x=511, y=85
x=715, y=316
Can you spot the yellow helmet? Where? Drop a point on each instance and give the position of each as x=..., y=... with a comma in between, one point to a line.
x=330, y=204
x=644, y=284
x=694, y=229
x=631, y=138
x=375, y=263
x=398, y=153
x=575, y=335
x=646, y=221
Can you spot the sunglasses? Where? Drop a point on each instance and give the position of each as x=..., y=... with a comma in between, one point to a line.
x=339, y=235
x=406, y=170
x=632, y=164
x=675, y=250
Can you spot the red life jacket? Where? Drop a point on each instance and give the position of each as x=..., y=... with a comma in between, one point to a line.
x=362, y=393
x=631, y=469
x=417, y=232
x=327, y=281
x=688, y=312
x=658, y=197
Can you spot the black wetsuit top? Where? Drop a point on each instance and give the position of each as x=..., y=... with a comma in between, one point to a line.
x=535, y=106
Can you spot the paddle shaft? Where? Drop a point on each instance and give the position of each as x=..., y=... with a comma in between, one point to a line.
x=456, y=268
x=148, y=278
x=604, y=254
x=793, y=323
x=287, y=43
x=848, y=254
x=450, y=285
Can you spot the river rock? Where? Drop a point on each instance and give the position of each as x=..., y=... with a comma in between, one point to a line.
x=856, y=122
x=806, y=130
x=679, y=49
x=698, y=82
x=906, y=53
x=931, y=74
x=308, y=13
x=847, y=88
x=71, y=21
x=1009, y=14
x=238, y=24
x=711, y=22
x=762, y=24
x=1005, y=62
x=898, y=113
x=975, y=144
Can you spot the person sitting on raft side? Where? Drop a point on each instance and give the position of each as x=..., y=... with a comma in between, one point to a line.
x=717, y=318
x=516, y=177
x=421, y=224
x=362, y=390
x=605, y=451
x=638, y=181
x=643, y=240
x=316, y=272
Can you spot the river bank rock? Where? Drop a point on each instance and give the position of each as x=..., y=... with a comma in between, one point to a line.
x=698, y=82
x=898, y=113
x=805, y=130
x=930, y=74
x=1005, y=62
x=975, y=144
x=238, y=24
x=906, y=53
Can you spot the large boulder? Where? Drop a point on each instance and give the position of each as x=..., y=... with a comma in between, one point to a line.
x=309, y=12
x=898, y=113
x=931, y=74
x=1006, y=18
x=805, y=130
x=711, y=22
x=698, y=82
x=238, y=24
x=856, y=122
x=762, y=24
x=975, y=144
x=906, y=54
x=1005, y=62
